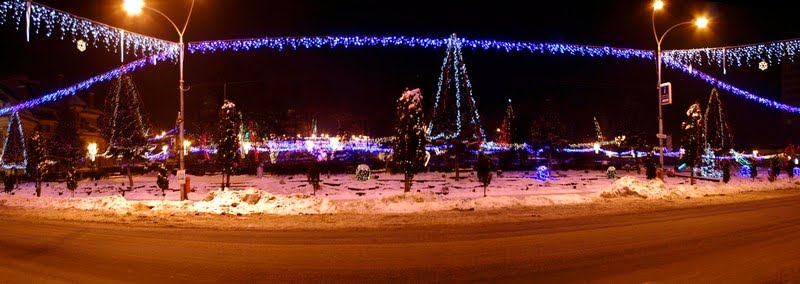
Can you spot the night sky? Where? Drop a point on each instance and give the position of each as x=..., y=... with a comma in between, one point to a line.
x=363, y=83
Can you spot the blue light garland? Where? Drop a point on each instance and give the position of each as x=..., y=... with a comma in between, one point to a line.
x=72, y=90
x=728, y=87
x=281, y=43
x=49, y=21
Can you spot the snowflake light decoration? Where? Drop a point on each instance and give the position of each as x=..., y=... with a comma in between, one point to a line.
x=81, y=45
x=763, y=65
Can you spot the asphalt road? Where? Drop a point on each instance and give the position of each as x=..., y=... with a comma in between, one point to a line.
x=747, y=242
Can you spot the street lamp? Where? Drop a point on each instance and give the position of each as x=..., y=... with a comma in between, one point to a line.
x=186, y=146
x=700, y=22
x=92, y=148
x=134, y=7
x=165, y=152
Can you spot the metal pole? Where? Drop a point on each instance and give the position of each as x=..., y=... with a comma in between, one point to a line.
x=182, y=118
x=660, y=113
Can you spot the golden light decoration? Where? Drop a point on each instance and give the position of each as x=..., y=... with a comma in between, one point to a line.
x=81, y=45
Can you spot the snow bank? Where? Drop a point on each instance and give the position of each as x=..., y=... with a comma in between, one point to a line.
x=657, y=189
x=114, y=203
x=252, y=201
x=631, y=186
x=428, y=201
x=342, y=194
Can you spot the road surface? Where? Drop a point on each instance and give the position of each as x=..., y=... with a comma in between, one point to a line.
x=747, y=242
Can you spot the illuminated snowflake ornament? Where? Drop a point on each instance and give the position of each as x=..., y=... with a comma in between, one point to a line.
x=763, y=65
x=81, y=45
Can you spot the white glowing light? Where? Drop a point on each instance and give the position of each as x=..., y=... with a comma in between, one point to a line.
x=92, y=148
x=133, y=7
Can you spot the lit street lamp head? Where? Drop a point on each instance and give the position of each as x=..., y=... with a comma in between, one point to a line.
x=133, y=7
x=658, y=5
x=701, y=22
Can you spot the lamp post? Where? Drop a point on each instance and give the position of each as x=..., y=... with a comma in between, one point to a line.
x=700, y=22
x=134, y=7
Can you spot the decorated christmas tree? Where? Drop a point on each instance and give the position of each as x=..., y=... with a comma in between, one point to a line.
x=693, y=138
x=228, y=141
x=709, y=167
x=455, y=114
x=409, y=144
x=68, y=149
x=125, y=125
x=716, y=127
x=597, y=131
x=38, y=164
x=507, y=127
x=15, y=155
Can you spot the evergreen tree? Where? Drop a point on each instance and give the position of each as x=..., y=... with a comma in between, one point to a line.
x=72, y=180
x=726, y=171
x=409, y=144
x=507, y=127
x=650, y=166
x=313, y=176
x=484, y=171
x=125, y=125
x=67, y=149
x=692, y=140
x=716, y=126
x=547, y=132
x=37, y=160
x=455, y=114
x=162, y=178
x=228, y=141
x=14, y=155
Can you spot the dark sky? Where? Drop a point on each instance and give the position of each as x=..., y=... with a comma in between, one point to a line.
x=364, y=83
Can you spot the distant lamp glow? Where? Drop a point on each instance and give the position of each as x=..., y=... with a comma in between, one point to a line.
x=246, y=146
x=92, y=148
x=165, y=151
x=597, y=148
x=755, y=153
x=795, y=161
x=658, y=5
x=334, y=144
x=498, y=130
x=133, y=7
x=186, y=145
x=701, y=22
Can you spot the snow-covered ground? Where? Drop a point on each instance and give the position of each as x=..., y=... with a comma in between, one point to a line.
x=383, y=193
